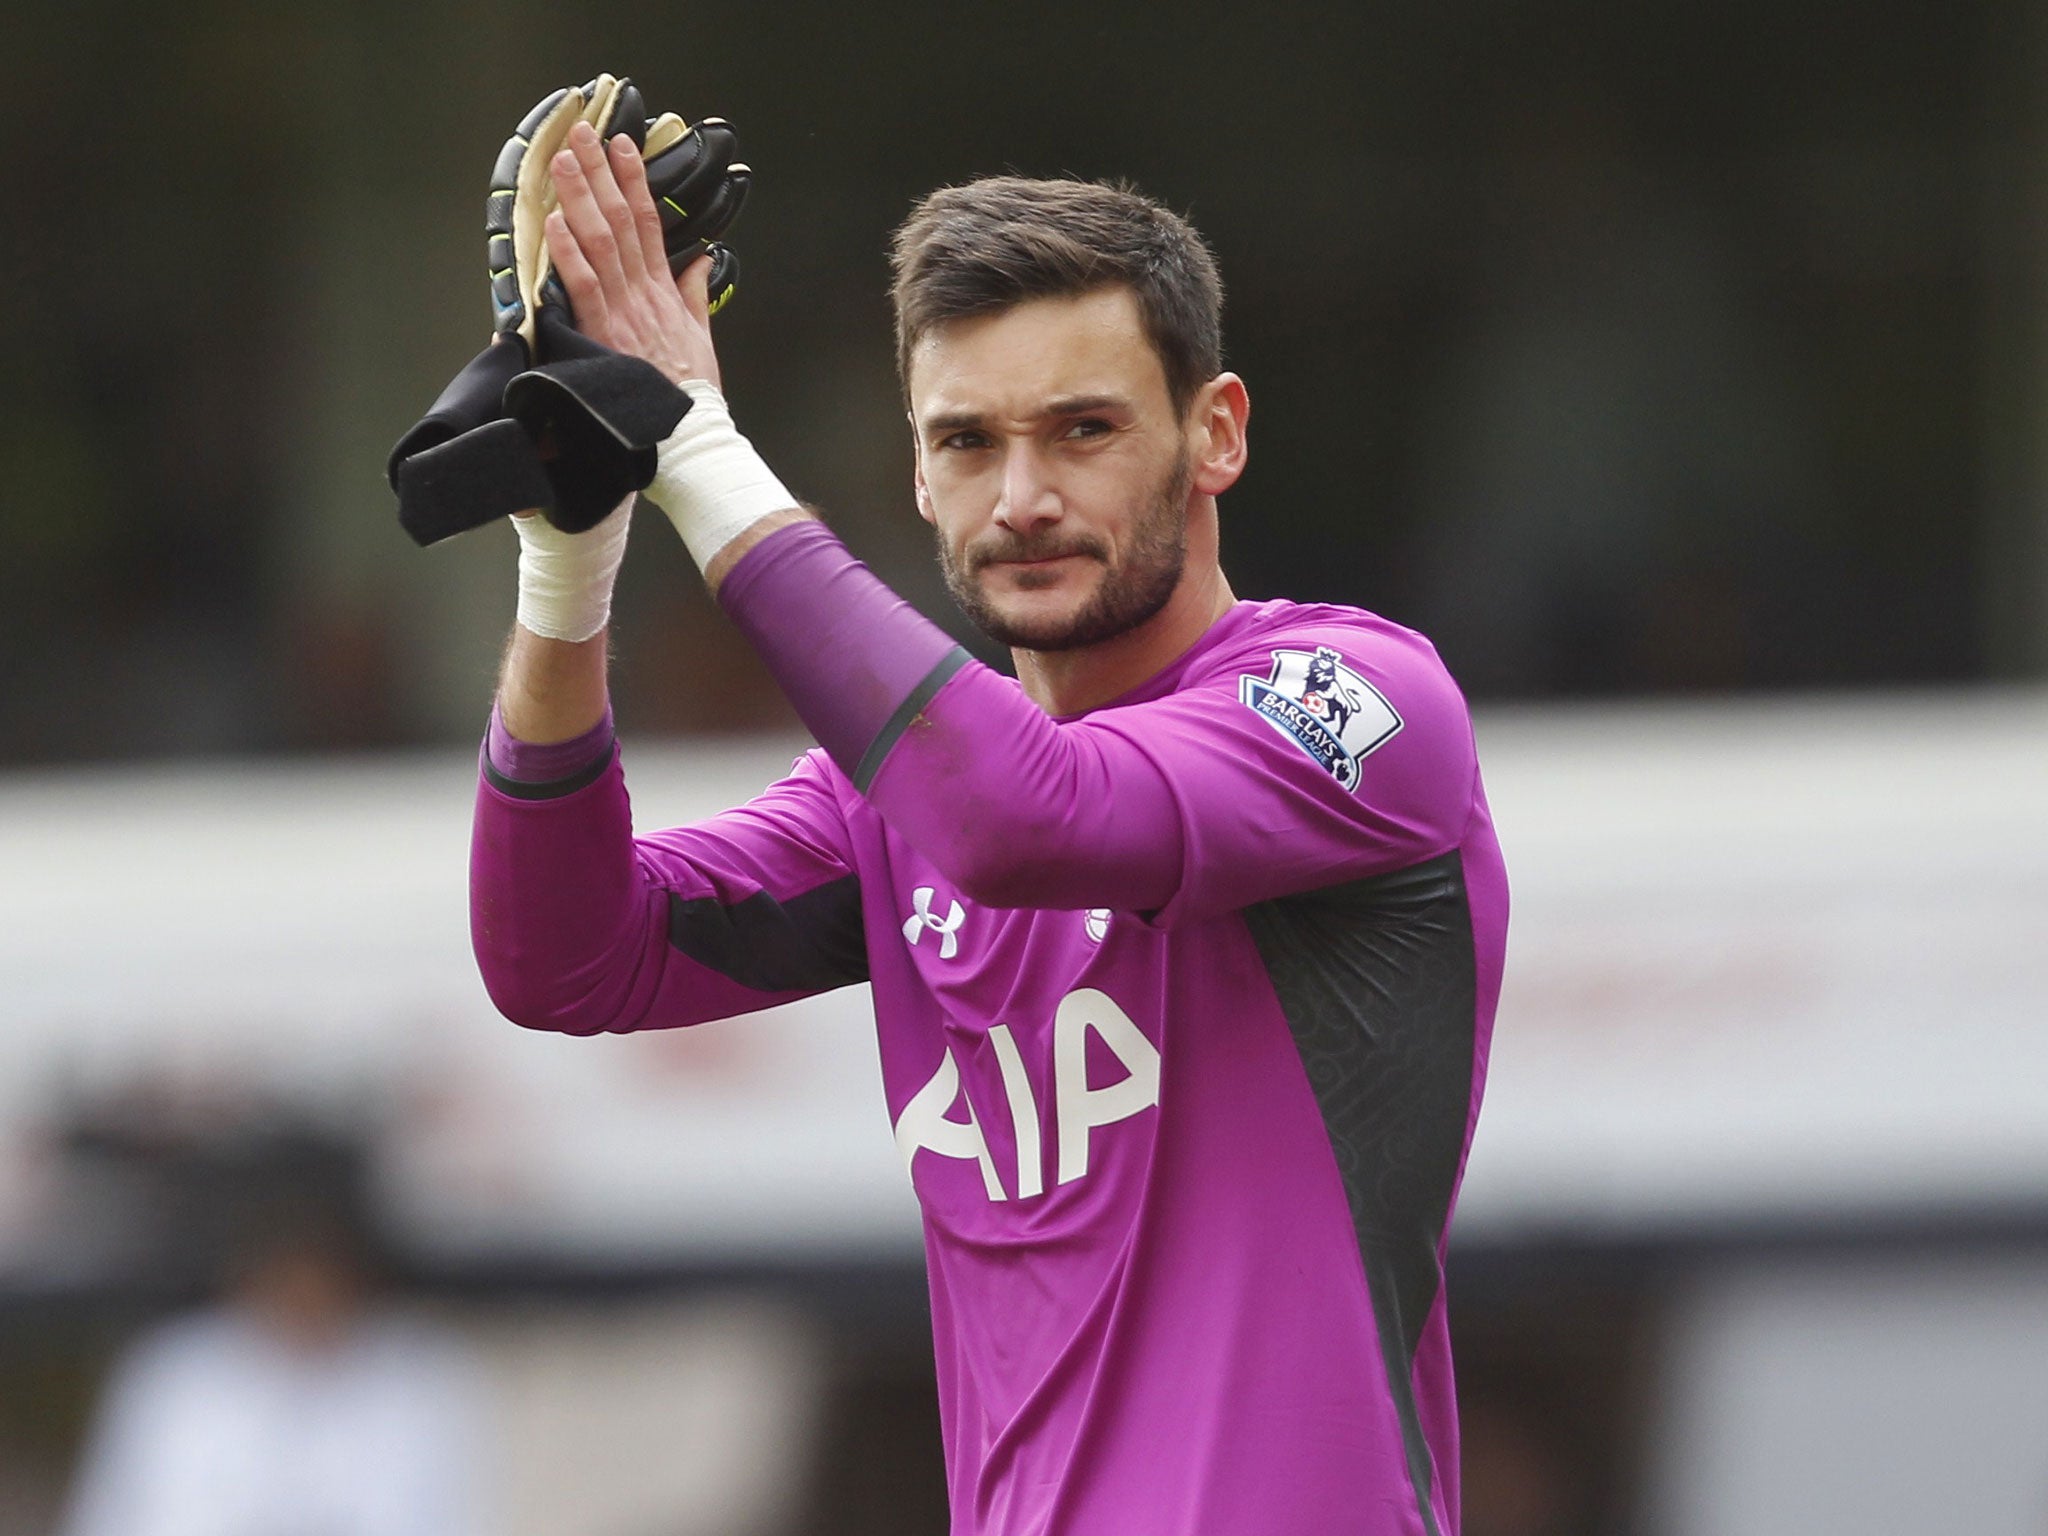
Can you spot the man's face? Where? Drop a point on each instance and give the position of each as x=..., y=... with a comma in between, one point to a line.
x=1053, y=469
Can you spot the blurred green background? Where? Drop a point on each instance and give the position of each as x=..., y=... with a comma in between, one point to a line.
x=1623, y=349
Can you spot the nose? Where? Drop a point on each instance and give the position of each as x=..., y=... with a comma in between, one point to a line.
x=1028, y=498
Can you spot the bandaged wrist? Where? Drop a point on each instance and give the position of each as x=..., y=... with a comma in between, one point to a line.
x=565, y=579
x=710, y=481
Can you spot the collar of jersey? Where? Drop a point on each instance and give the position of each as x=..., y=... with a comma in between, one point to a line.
x=1228, y=626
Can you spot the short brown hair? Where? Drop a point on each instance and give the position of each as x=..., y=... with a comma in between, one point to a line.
x=998, y=241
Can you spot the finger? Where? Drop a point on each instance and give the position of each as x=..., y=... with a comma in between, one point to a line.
x=586, y=225
x=693, y=283
x=596, y=165
x=586, y=293
x=631, y=171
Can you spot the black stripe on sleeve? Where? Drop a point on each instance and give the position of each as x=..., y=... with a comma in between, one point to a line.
x=878, y=749
x=1377, y=979
x=551, y=789
x=808, y=943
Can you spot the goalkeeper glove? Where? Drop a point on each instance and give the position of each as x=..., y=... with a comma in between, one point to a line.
x=576, y=433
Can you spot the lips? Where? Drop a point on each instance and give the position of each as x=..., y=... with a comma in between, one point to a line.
x=1028, y=559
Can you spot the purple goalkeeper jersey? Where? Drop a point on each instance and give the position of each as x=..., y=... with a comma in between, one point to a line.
x=1183, y=1008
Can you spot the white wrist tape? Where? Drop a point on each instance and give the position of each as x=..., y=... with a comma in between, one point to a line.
x=709, y=480
x=565, y=579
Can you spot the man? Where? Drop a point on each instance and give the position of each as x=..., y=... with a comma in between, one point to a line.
x=1184, y=953
x=303, y=1401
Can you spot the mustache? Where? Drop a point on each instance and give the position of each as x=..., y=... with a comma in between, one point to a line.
x=993, y=550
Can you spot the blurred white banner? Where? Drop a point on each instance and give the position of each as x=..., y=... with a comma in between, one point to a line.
x=1767, y=959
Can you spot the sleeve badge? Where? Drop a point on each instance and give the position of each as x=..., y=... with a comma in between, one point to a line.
x=1323, y=707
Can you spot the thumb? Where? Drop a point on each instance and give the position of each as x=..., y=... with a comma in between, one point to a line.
x=693, y=283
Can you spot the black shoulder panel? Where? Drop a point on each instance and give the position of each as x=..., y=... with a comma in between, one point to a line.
x=809, y=943
x=1377, y=979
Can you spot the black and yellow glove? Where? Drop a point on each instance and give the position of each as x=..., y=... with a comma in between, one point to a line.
x=699, y=189
x=546, y=418
x=523, y=194
x=697, y=185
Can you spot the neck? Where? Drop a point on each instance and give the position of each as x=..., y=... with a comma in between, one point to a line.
x=1069, y=682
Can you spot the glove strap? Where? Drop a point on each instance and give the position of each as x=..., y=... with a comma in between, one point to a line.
x=477, y=478
x=459, y=467
x=571, y=438
x=596, y=419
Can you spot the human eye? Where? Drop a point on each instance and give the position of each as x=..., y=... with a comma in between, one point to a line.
x=964, y=441
x=1086, y=427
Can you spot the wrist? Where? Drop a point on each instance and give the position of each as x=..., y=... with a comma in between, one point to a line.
x=566, y=579
x=552, y=691
x=709, y=480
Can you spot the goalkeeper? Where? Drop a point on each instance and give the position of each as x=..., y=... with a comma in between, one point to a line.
x=1185, y=943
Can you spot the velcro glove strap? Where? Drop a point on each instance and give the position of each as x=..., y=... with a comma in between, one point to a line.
x=597, y=421
x=473, y=397
x=487, y=473
x=570, y=439
x=464, y=463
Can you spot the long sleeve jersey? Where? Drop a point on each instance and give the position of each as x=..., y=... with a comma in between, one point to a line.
x=1183, y=1008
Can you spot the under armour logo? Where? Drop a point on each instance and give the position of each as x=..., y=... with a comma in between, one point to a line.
x=947, y=929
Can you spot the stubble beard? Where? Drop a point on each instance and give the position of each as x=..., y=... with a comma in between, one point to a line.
x=1129, y=594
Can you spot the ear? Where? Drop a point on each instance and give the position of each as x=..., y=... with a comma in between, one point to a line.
x=924, y=492
x=1217, y=420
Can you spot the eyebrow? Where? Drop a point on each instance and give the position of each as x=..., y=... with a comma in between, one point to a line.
x=1071, y=405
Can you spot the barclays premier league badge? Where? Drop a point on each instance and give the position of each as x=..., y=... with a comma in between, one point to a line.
x=1323, y=707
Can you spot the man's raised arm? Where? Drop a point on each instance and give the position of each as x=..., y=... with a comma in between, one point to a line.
x=577, y=925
